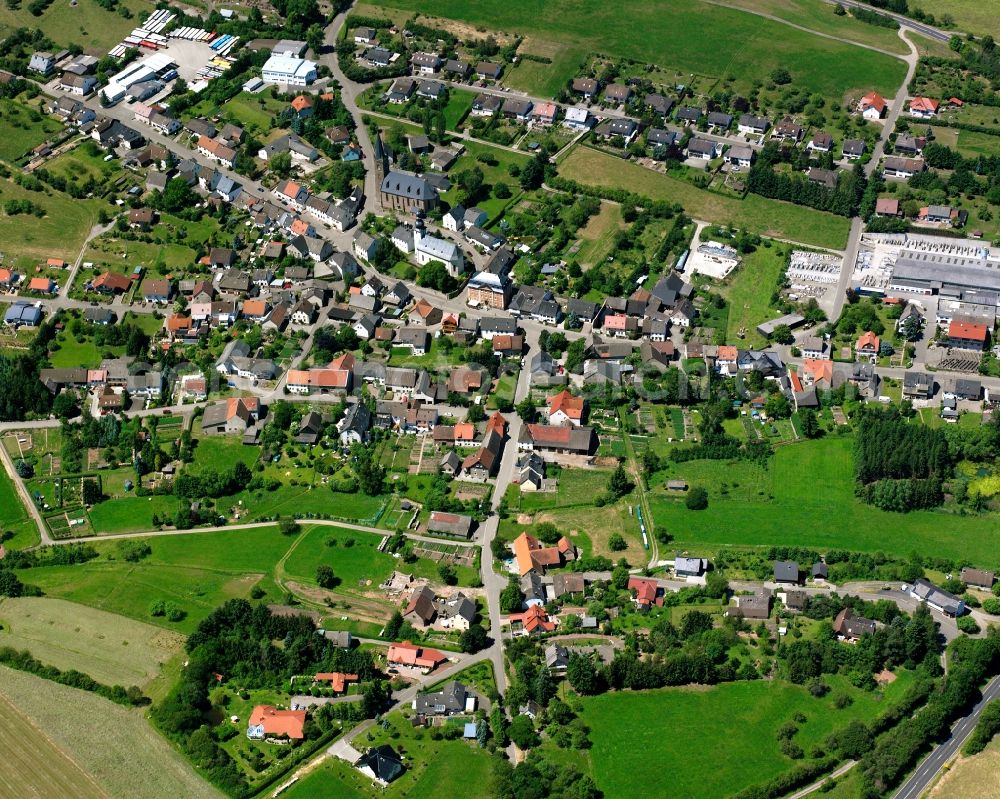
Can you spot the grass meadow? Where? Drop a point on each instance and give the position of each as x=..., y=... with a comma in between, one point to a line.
x=15, y=515
x=131, y=759
x=86, y=23
x=805, y=497
x=28, y=239
x=681, y=730
x=24, y=128
x=762, y=215
x=199, y=571
x=749, y=290
x=110, y=648
x=685, y=37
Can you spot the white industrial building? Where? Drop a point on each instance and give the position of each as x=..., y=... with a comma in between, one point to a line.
x=288, y=70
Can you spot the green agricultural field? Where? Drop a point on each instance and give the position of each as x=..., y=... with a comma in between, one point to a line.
x=680, y=729
x=65, y=719
x=749, y=291
x=433, y=769
x=85, y=23
x=28, y=239
x=805, y=497
x=767, y=217
x=683, y=37
x=110, y=648
x=130, y=513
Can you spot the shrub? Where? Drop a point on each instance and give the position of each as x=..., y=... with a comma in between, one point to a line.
x=697, y=499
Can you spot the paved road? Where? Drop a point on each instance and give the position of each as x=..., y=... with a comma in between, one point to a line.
x=857, y=224
x=922, y=778
x=905, y=22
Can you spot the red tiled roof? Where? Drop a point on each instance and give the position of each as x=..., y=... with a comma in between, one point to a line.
x=872, y=100
x=924, y=104
x=967, y=330
x=818, y=368
x=868, y=341
x=290, y=723
x=406, y=654
x=301, y=102
x=568, y=404
x=111, y=280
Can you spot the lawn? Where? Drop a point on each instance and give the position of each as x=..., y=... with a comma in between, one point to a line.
x=749, y=291
x=110, y=648
x=28, y=239
x=86, y=23
x=66, y=719
x=684, y=37
x=970, y=16
x=761, y=215
x=80, y=352
x=83, y=162
x=130, y=513
x=805, y=497
x=682, y=728
x=434, y=769
x=459, y=105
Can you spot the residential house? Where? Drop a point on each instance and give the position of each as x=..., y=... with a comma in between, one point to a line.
x=748, y=124
x=354, y=427
x=937, y=598
x=702, y=148
x=577, y=119
x=787, y=571
x=904, y=168
x=854, y=148
x=977, y=578
x=234, y=415
x=557, y=440
x=381, y=764
x=923, y=108
x=872, y=106
x=488, y=70
x=452, y=698
x=565, y=409
x=417, y=657
x=266, y=721
x=850, y=627
x=820, y=142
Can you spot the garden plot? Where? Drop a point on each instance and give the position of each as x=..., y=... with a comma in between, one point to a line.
x=446, y=553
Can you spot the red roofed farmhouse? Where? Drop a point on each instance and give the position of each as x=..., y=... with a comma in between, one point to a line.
x=531, y=553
